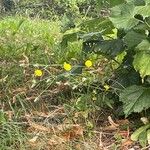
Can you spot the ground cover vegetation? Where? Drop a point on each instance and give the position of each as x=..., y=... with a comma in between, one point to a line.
x=74, y=74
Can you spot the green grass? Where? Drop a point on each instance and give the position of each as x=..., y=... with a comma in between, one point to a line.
x=11, y=134
x=31, y=37
x=27, y=44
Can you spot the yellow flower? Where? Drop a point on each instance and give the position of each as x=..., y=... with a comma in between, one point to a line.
x=107, y=87
x=67, y=66
x=38, y=73
x=88, y=63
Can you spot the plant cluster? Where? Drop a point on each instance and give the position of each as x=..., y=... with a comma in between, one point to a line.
x=98, y=57
x=131, y=43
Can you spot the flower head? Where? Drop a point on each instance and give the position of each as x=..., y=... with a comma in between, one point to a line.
x=67, y=66
x=38, y=73
x=107, y=87
x=88, y=63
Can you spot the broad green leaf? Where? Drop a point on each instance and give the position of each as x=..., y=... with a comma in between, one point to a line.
x=115, y=2
x=142, y=10
x=142, y=58
x=126, y=77
x=133, y=38
x=123, y=16
x=91, y=36
x=136, y=2
x=104, y=26
x=70, y=36
x=144, y=46
x=109, y=47
x=135, y=99
x=136, y=133
x=67, y=22
x=142, y=63
x=143, y=138
x=144, y=26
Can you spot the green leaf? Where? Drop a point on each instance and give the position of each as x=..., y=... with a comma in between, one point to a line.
x=123, y=16
x=142, y=10
x=125, y=77
x=142, y=63
x=104, y=26
x=148, y=136
x=143, y=26
x=144, y=46
x=143, y=138
x=136, y=133
x=91, y=36
x=142, y=58
x=136, y=2
x=70, y=36
x=133, y=38
x=115, y=2
x=109, y=48
x=82, y=102
x=67, y=22
x=135, y=99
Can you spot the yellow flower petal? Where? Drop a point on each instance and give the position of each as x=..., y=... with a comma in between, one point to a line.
x=88, y=63
x=38, y=73
x=67, y=66
x=107, y=87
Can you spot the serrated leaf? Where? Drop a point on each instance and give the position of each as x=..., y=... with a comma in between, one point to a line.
x=135, y=99
x=123, y=16
x=142, y=58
